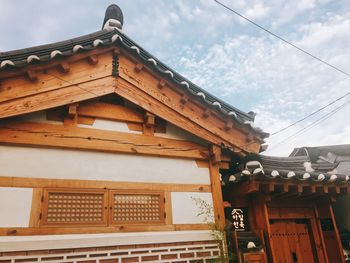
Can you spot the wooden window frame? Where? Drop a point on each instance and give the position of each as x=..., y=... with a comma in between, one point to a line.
x=45, y=202
x=162, y=216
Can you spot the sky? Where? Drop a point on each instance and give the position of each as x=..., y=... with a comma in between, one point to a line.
x=223, y=54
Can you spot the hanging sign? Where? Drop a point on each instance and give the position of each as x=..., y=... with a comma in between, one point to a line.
x=238, y=216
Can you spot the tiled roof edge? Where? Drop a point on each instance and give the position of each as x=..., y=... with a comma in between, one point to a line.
x=45, y=53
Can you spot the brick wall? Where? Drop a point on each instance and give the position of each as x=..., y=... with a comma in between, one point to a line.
x=185, y=252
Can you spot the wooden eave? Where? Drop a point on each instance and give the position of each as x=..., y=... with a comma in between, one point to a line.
x=284, y=189
x=111, y=70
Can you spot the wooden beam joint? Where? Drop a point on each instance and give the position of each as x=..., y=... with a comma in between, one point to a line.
x=31, y=74
x=138, y=67
x=64, y=67
x=215, y=154
x=92, y=60
x=161, y=83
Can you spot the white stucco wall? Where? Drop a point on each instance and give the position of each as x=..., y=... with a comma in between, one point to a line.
x=174, y=132
x=110, y=126
x=13, y=243
x=15, y=205
x=186, y=210
x=70, y=164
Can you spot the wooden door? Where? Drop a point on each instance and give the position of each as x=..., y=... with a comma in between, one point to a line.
x=291, y=241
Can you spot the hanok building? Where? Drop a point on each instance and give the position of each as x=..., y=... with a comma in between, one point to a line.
x=104, y=150
x=286, y=204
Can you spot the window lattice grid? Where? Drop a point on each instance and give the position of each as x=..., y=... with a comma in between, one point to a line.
x=66, y=207
x=133, y=208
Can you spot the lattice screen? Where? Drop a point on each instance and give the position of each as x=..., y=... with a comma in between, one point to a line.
x=137, y=208
x=75, y=207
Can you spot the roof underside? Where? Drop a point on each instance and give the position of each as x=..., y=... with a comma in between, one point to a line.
x=293, y=169
x=45, y=53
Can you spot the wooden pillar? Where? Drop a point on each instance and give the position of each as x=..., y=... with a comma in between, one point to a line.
x=261, y=216
x=332, y=240
x=214, y=166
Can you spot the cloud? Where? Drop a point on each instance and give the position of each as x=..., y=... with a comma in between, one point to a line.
x=215, y=49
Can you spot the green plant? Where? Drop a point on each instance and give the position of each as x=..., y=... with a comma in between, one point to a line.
x=206, y=211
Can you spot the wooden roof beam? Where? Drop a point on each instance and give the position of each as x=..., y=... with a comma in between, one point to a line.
x=59, y=136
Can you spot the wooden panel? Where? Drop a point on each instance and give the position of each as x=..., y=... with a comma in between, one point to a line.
x=254, y=257
x=53, y=78
x=130, y=207
x=58, y=97
x=64, y=183
x=291, y=241
x=74, y=207
x=39, y=134
x=93, y=230
x=110, y=112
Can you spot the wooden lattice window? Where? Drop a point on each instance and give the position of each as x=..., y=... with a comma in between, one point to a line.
x=74, y=207
x=136, y=208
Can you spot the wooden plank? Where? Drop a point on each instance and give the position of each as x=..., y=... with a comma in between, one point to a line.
x=7, y=74
x=58, y=97
x=53, y=78
x=49, y=135
x=109, y=112
x=35, y=211
x=6, y=181
x=217, y=192
x=246, y=188
x=95, y=230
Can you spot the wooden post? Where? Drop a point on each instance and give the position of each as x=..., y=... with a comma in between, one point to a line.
x=214, y=166
x=72, y=118
x=262, y=222
x=336, y=231
x=148, y=125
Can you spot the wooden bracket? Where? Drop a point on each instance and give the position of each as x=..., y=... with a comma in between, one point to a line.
x=228, y=126
x=206, y=113
x=93, y=59
x=72, y=116
x=116, y=51
x=149, y=119
x=32, y=75
x=138, y=67
x=161, y=83
x=149, y=124
x=64, y=67
x=215, y=154
x=73, y=110
x=184, y=99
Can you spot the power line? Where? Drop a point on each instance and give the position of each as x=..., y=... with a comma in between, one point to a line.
x=313, y=124
x=311, y=114
x=302, y=50
x=283, y=39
